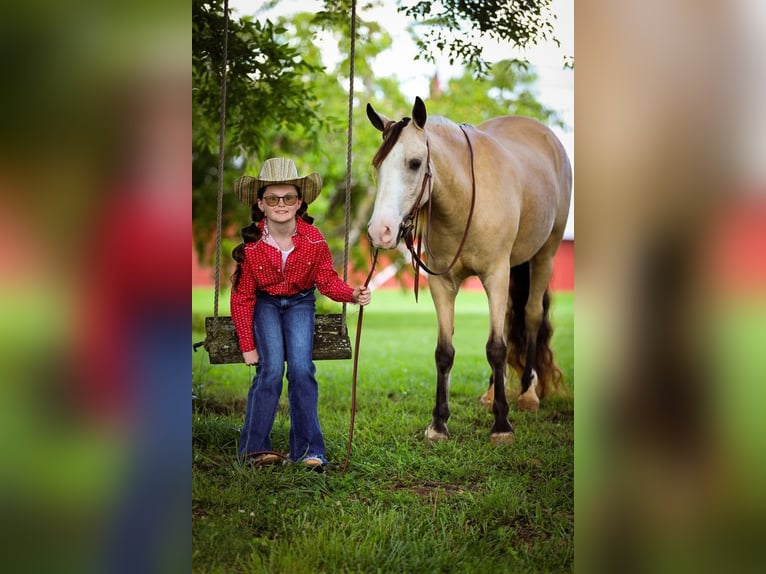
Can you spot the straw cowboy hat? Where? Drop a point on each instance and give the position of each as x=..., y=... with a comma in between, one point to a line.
x=277, y=170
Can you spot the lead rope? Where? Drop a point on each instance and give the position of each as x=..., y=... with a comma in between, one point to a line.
x=356, y=362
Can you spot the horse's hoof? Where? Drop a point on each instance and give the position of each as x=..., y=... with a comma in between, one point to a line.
x=502, y=438
x=433, y=435
x=528, y=402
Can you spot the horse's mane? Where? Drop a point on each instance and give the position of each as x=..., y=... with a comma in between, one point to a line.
x=390, y=136
x=392, y=132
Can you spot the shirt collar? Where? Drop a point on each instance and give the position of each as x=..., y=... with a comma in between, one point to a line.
x=300, y=229
x=297, y=231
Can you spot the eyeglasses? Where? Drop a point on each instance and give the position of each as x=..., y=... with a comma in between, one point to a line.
x=273, y=200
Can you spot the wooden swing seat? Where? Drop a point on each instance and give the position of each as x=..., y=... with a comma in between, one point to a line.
x=331, y=339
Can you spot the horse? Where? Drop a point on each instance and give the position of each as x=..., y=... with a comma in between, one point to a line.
x=494, y=200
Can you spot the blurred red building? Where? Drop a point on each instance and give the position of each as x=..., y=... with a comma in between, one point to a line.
x=562, y=280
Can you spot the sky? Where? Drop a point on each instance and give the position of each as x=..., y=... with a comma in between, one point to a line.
x=555, y=86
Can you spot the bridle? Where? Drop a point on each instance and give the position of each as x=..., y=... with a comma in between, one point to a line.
x=408, y=229
x=408, y=226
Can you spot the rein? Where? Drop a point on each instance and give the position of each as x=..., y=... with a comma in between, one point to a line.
x=408, y=228
x=356, y=362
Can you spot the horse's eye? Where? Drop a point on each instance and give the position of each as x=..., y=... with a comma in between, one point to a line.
x=415, y=164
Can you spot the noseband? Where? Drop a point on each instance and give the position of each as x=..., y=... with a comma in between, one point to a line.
x=408, y=228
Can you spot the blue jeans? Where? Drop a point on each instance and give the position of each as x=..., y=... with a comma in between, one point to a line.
x=284, y=331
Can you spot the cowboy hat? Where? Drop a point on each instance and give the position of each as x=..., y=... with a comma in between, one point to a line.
x=277, y=170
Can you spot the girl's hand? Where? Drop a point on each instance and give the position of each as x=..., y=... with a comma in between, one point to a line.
x=251, y=357
x=362, y=295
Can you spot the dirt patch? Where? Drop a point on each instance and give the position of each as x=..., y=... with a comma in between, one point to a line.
x=428, y=487
x=561, y=416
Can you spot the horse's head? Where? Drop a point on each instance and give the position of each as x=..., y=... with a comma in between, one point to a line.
x=402, y=165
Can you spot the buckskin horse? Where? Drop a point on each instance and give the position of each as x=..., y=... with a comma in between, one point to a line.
x=489, y=200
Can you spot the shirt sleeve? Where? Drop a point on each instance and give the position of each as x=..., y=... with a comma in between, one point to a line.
x=328, y=281
x=242, y=303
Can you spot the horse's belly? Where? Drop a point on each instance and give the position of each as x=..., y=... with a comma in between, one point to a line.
x=527, y=245
x=518, y=257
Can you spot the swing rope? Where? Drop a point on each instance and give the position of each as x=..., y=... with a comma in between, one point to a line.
x=221, y=137
x=352, y=54
x=347, y=218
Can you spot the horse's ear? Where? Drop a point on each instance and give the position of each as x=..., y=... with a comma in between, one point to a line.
x=378, y=120
x=419, y=113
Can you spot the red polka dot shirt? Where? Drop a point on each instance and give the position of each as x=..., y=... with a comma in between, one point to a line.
x=308, y=265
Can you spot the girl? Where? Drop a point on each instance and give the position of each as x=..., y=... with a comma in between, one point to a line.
x=282, y=259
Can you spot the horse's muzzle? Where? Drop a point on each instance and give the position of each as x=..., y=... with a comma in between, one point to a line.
x=384, y=238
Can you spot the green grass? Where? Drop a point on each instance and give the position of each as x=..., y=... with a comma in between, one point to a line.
x=404, y=505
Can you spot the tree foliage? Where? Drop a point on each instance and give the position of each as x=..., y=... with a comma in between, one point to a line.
x=457, y=27
x=283, y=99
x=265, y=80
x=508, y=88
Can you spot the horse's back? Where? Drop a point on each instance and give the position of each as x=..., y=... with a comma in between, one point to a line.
x=541, y=166
x=535, y=144
x=521, y=134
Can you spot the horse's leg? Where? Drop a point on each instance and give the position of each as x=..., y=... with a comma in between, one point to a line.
x=487, y=400
x=541, y=268
x=443, y=292
x=496, y=286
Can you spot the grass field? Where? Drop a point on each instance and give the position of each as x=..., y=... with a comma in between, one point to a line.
x=404, y=505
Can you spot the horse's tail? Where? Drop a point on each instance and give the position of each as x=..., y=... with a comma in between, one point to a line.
x=549, y=376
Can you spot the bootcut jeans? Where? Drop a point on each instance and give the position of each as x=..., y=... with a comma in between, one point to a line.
x=284, y=332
